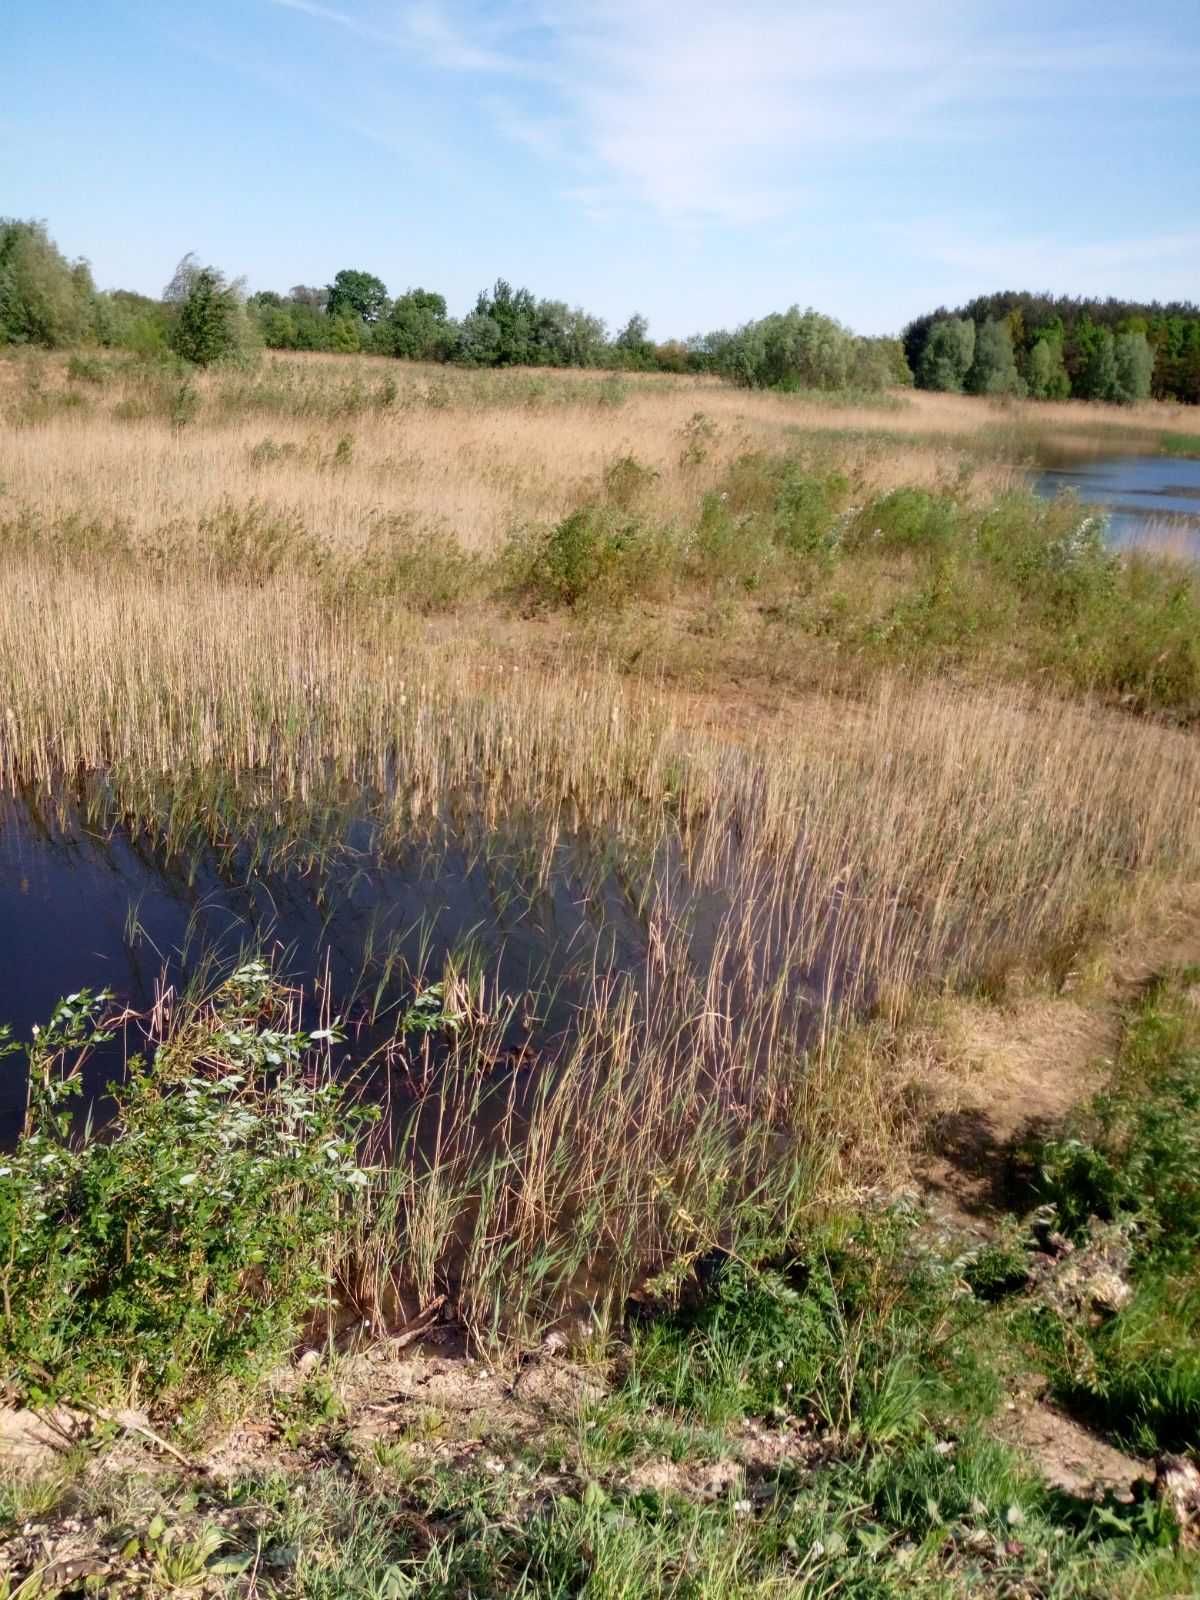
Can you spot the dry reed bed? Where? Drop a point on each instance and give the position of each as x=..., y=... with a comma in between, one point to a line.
x=924, y=830
x=912, y=836
x=469, y=454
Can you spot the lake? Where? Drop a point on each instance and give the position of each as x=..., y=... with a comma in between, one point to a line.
x=1143, y=496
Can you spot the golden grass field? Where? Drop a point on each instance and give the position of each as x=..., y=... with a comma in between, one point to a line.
x=474, y=455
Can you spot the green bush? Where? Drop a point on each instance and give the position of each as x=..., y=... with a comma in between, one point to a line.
x=806, y=510
x=188, y=1241
x=594, y=555
x=732, y=546
x=1136, y=1159
x=908, y=519
x=44, y=299
x=403, y=560
x=1138, y=1154
x=210, y=320
x=626, y=480
x=859, y=1330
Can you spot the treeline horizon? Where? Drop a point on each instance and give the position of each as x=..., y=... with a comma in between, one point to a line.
x=1058, y=347
x=1012, y=343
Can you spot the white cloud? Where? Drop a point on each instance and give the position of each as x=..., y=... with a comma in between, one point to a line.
x=734, y=111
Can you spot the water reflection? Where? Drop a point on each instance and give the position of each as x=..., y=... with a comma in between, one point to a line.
x=1143, y=496
x=538, y=913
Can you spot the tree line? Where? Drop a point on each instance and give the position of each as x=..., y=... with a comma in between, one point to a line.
x=1011, y=343
x=1052, y=348
x=203, y=316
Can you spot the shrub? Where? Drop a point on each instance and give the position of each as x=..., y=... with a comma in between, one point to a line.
x=1135, y=1159
x=806, y=508
x=209, y=323
x=189, y=1240
x=87, y=369
x=596, y=554
x=626, y=480
x=425, y=565
x=909, y=519
x=257, y=539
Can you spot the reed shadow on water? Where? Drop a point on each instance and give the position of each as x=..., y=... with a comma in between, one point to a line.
x=370, y=933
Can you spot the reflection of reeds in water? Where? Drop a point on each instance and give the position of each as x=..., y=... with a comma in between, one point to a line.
x=1167, y=538
x=919, y=835
x=920, y=830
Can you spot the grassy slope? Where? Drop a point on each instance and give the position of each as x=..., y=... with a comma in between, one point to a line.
x=826, y=1419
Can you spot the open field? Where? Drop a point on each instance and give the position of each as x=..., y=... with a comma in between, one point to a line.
x=888, y=775
x=474, y=454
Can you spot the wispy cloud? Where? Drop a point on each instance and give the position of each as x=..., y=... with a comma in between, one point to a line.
x=426, y=30
x=1106, y=266
x=731, y=112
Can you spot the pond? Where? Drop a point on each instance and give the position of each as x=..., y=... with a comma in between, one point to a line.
x=535, y=916
x=1144, y=497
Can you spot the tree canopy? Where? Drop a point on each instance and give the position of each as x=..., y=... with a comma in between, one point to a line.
x=1013, y=343
x=1093, y=349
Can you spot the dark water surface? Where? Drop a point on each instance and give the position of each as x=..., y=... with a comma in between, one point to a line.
x=81, y=907
x=85, y=905
x=1141, y=495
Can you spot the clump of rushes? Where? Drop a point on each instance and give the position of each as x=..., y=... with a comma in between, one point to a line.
x=187, y=1244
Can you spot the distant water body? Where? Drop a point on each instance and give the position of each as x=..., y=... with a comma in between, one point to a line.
x=1142, y=496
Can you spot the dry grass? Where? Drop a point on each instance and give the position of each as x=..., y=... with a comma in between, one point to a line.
x=859, y=848
x=473, y=455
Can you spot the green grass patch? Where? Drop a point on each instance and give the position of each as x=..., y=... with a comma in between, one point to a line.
x=1134, y=1162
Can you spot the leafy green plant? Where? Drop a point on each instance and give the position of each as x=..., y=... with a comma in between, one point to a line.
x=626, y=480
x=189, y=1240
x=1135, y=1158
x=855, y=1331
x=909, y=519
x=595, y=555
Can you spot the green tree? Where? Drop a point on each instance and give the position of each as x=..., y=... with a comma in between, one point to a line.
x=633, y=346
x=344, y=335
x=44, y=299
x=1098, y=380
x=994, y=369
x=416, y=328
x=948, y=355
x=479, y=340
x=207, y=324
x=899, y=373
x=1135, y=367
x=1047, y=375
x=131, y=321
x=793, y=349
x=565, y=336
x=357, y=294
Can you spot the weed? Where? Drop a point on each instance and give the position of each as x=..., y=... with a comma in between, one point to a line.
x=190, y=1242
x=1134, y=1160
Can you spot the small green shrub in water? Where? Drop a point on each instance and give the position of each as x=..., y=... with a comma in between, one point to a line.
x=188, y=1241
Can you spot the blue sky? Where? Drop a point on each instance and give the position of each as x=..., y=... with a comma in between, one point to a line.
x=701, y=162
